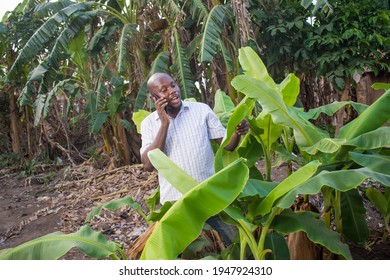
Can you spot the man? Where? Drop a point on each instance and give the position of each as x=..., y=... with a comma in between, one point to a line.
x=182, y=130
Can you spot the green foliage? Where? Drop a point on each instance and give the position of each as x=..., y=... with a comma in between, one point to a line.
x=190, y=212
x=289, y=221
x=55, y=245
x=344, y=38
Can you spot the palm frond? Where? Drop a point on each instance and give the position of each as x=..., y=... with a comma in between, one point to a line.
x=198, y=10
x=44, y=9
x=39, y=105
x=128, y=37
x=104, y=35
x=212, y=33
x=226, y=56
x=48, y=31
x=181, y=68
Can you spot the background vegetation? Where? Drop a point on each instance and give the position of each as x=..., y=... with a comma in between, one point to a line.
x=72, y=88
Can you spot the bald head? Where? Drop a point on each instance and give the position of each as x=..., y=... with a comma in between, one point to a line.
x=156, y=79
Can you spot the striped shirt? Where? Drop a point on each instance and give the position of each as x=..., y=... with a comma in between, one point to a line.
x=187, y=143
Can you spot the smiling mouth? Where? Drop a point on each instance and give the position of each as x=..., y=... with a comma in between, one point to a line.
x=173, y=97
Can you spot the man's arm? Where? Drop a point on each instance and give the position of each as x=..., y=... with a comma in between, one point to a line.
x=159, y=140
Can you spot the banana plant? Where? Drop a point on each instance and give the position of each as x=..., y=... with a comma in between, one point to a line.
x=53, y=246
x=184, y=221
x=364, y=134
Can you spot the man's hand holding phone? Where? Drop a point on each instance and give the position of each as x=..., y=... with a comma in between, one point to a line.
x=161, y=107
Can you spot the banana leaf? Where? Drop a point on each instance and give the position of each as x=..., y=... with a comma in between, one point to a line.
x=181, y=67
x=278, y=246
x=291, y=182
x=377, y=138
x=289, y=222
x=212, y=33
x=55, y=245
x=380, y=200
x=325, y=145
x=372, y=118
x=374, y=139
x=272, y=102
x=183, y=222
x=222, y=156
x=127, y=38
x=258, y=187
x=342, y=180
x=138, y=117
x=222, y=103
x=353, y=215
x=176, y=176
x=375, y=162
x=254, y=67
x=331, y=109
x=250, y=149
x=270, y=131
x=289, y=88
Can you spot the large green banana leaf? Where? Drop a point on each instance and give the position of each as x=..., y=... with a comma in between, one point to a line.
x=272, y=102
x=293, y=181
x=289, y=88
x=372, y=118
x=55, y=245
x=222, y=103
x=127, y=38
x=183, y=222
x=138, y=117
x=271, y=131
x=331, y=109
x=375, y=162
x=257, y=83
x=289, y=222
x=223, y=106
x=353, y=215
x=223, y=157
x=381, y=201
x=176, y=176
x=342, y=180
x=374, y=139
x=254, y=67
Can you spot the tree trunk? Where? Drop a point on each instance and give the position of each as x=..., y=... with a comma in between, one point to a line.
x=28, y=130
x=124, y=144
x=14, y=123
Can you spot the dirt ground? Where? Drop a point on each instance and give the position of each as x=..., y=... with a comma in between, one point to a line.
x=59, y=200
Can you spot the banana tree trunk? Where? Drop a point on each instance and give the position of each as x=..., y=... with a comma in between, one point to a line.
x=123, y=142
x=14, y=122
x=28, y=130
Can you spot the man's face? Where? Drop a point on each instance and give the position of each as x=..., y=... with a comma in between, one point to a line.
x=167, y=88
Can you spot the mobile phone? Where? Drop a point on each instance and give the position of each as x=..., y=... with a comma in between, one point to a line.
x=155, y=95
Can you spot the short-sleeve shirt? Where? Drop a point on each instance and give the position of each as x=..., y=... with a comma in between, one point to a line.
x=187, y=143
